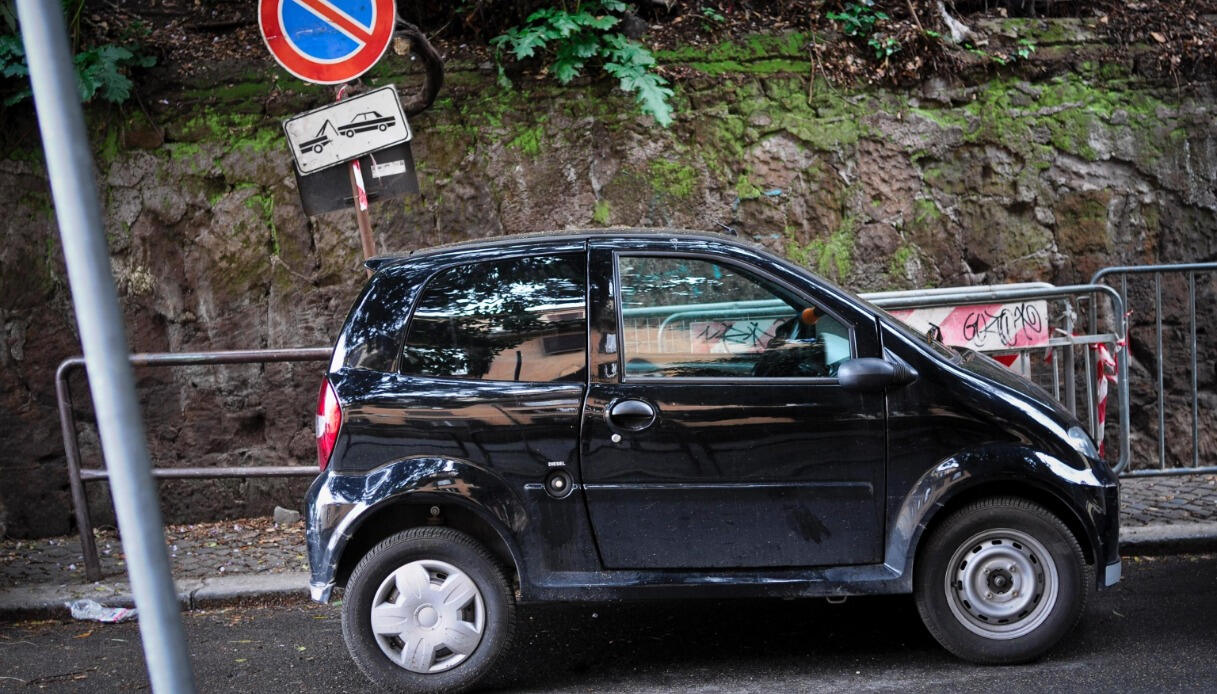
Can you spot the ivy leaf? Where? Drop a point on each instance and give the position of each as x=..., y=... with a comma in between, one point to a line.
x=525, y=42
x=599, y=23
x=567, y=65
x=649, y=89
x=576, y=37
x=567, y=69
x=564, y=25
x=17, y=97
x=99, y=73
x=541, y=15
x=12, y=57
x=584, y=45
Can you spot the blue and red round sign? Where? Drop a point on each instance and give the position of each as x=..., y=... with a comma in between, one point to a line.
x=327, y=41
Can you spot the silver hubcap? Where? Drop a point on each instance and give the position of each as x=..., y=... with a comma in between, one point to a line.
x=1002, y=584
x=428, y=616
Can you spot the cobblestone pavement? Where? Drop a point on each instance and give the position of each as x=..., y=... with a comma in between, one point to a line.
x=1181, y=499
x=260, y=546
x=201, y=550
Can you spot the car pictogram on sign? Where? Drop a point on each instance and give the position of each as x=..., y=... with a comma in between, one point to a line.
x=368, y=120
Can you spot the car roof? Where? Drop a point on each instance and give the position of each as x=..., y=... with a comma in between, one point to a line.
x=565, y=235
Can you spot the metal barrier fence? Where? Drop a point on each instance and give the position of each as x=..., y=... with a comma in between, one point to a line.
x=1062, y=380
x=1159, y=272
x=77, y=476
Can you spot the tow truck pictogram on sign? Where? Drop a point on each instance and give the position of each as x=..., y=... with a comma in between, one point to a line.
x=327, y=41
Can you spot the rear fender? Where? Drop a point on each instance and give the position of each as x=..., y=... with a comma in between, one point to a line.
x=344, y=502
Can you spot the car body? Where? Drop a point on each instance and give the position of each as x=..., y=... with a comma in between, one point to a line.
x=631, y=414
x=368, y=120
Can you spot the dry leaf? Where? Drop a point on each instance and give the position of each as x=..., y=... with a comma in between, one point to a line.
x=1158, y=37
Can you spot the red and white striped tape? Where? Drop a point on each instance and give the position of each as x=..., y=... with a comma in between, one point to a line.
x=361, y=191
x=1105, y=367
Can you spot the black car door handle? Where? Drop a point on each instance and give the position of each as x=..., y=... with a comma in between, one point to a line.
x=631, y=415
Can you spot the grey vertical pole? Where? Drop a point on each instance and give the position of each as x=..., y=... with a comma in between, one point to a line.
x=70, y=166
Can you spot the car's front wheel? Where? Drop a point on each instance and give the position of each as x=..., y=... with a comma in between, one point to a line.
x=427, y=610
x=1001, y=581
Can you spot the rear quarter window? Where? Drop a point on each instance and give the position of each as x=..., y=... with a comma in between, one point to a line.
x=518, y=319
x=373, y=329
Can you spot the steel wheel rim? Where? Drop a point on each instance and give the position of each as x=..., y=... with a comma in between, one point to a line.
x=1002, y=584
x=428, y=616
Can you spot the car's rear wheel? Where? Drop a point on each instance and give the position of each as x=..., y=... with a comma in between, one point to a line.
x=1001, y=581
x=427, y=610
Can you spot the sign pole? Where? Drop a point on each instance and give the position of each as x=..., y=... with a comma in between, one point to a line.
x=359, y=197
x=361, y=213
x=70, y=167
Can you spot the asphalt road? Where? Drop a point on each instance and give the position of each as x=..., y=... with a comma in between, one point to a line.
x=1156, y=632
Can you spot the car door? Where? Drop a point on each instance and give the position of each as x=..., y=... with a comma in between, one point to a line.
x=715, y=433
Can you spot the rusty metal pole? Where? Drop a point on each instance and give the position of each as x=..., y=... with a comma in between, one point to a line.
x=71, y=449
x=361, y=214
x=359, y=198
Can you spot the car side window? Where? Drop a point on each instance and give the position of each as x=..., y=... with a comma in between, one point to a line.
x=520, y=319
x=689, y=317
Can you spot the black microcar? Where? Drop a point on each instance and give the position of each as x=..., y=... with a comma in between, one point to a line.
x=625, y=414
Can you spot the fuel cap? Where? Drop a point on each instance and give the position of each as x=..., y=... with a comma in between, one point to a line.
x=559, y=484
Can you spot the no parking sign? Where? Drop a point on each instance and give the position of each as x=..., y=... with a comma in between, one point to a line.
x=327, y=41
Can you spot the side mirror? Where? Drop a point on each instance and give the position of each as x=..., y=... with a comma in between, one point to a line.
x=869, y=375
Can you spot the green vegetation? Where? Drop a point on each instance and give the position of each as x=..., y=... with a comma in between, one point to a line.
x=832, y=256
x=233, y=130
x=745, y=189
x=858, y=19
x=757, y=54
x=925, y=213
x=602, y=212
x=1065, y=109
x=673, y=178
x=102, y=71
x=264, y=205
x=529, y=140
x=898, y=267
x=583, y=33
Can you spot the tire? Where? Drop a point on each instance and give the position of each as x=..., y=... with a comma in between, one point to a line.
x=461, y=637
x=972, y=587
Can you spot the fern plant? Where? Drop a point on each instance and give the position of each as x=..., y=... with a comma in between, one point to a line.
x=101, y=71
x=583, y=32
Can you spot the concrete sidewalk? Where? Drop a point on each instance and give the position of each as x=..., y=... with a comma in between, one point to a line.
x=256, y=558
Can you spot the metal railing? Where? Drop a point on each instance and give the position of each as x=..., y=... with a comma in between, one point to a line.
x=77, y=475
x=1077, y=299
x=1188, y=270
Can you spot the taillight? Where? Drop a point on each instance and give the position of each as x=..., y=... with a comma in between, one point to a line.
x=329, y=420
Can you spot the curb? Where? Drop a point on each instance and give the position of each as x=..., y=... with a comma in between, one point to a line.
x=196, y=593
x=1168, y=538
x=192, y=593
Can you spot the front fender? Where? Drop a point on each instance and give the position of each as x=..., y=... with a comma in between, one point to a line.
x=339, y=504
x=1003, y=469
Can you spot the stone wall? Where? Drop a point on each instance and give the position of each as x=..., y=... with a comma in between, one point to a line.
x=1014, y=178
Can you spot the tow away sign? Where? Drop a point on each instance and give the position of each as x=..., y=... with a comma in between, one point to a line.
x=346, y=130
